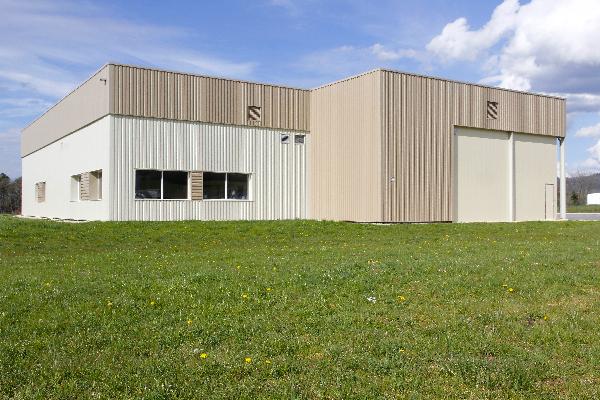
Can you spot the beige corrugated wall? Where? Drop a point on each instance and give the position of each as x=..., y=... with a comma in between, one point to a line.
x=345, y=159
x=142, y=92
x=277, y=184
x=86, y=104
x=418, y=120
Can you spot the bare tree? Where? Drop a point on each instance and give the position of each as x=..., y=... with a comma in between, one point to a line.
x=582, y=182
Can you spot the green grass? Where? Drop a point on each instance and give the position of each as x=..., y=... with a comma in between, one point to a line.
x=125, y=310
x=584, y=209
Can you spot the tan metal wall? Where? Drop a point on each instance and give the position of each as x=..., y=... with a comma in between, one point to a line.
x=86, y=104
x=419, y=115
x=345, y=159
x=142, y=92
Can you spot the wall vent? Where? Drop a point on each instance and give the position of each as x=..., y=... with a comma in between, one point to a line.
x=254, y=113
x=299, y=139
x=285, y=139
x=492, y=110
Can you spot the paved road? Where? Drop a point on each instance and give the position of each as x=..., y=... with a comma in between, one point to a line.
x=583, y=216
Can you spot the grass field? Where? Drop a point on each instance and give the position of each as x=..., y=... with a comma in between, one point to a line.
x=301, y=310
x=584, y=209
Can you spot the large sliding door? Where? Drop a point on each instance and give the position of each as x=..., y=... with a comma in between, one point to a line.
x=482, y=178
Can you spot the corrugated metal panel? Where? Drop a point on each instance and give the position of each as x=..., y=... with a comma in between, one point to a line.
x=151, y=93
x=277, y=183
x=419, y=115
x=86, y=104
x=345, y=162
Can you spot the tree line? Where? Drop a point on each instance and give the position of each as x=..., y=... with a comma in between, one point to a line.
x=10, y=194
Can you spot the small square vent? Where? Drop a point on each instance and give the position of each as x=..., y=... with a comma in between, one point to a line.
x=285, y=139
x=299, y=139
x=254, y=113
x=492, y=110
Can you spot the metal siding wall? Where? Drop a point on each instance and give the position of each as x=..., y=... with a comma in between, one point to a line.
x=144, y=92
x=278, y=177
x=84, y=105
x=345, y=164
x=419, y=115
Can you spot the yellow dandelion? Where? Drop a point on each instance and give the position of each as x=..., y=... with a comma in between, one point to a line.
x=268, y=289
x=267, y=361
x=203, y=355
x=401, y=350
x=545, y=318
x=152, y=303
x=238, y=266
x=510, y=290
x=248, y=360
x=401, y=298
x=189, y=321
x=244, y=296
x=109, y=304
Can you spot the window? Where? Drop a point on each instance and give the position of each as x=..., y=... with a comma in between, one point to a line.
x=214, y=185
x=95, y=182
x=147, y=184
x=225, y=186
x=75, y=186
x=40, y=192
x=237, y=186
x=175, y=185
x=167, y=185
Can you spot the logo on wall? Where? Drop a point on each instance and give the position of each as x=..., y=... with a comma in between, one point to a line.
x=254, y=114
x=492, y=110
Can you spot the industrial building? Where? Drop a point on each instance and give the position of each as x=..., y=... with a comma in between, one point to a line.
x=135, y=143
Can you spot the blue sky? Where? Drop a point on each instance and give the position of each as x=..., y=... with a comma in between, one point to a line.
x=548, y=46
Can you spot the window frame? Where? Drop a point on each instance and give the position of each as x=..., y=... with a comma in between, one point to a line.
x=97, y=177
x=75, y=180
x=188, y=184
x=250, y=194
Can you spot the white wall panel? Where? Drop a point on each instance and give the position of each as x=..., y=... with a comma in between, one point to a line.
x=82, y=151
x=278, y=178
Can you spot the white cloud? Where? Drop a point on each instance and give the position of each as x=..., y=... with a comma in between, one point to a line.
x=458, y=41
x=589, y=131
x=384, y=54
x=544, y=45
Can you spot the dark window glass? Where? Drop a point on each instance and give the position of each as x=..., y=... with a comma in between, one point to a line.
x=175, y=185
x=214, y=185
x=237, y=186
x=147, y=184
